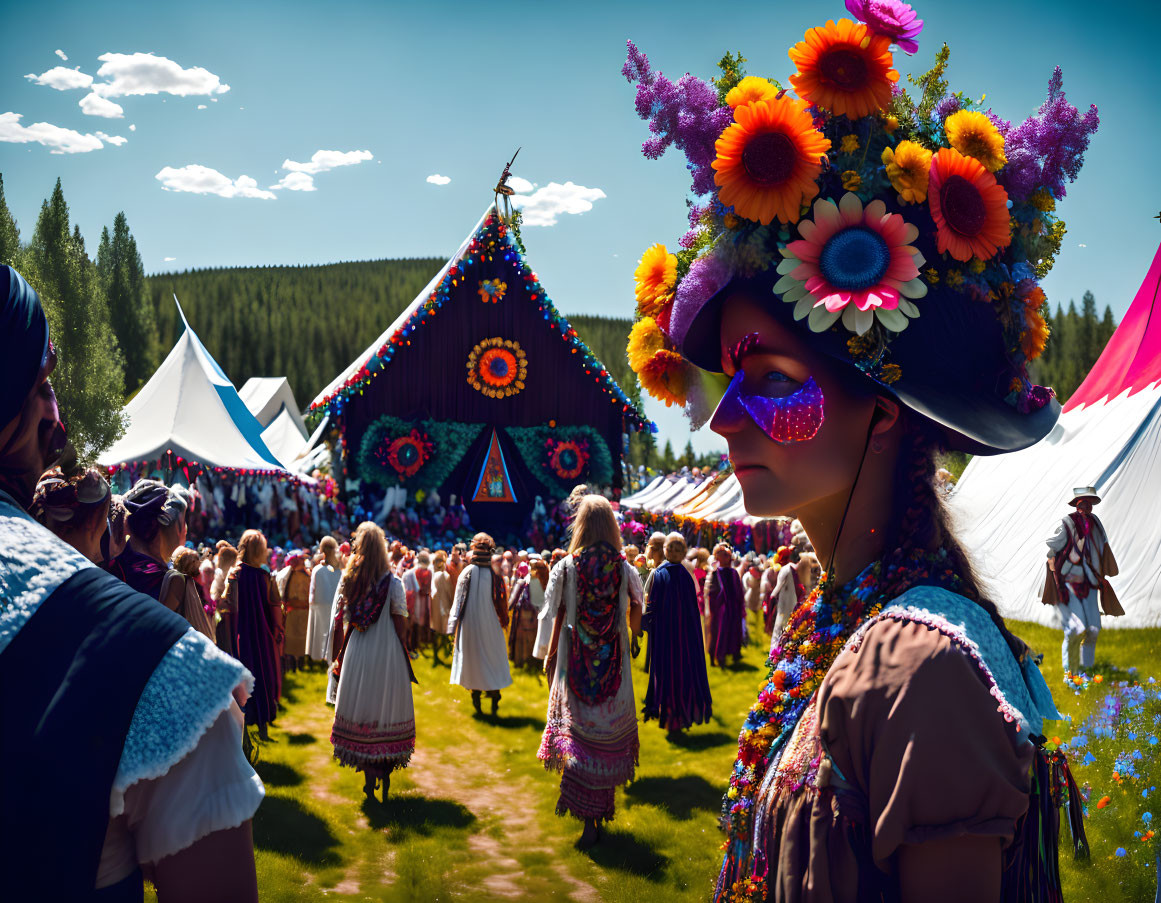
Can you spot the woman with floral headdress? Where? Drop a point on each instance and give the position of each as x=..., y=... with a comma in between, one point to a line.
x=859, y=292
x=591, y=734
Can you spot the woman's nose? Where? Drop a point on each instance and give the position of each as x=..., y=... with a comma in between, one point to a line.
x=730, y=416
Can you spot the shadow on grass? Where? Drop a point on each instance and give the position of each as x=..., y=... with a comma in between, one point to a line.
x=283, y=826
x=301, y=739
x=511, y=721
x=627, y=853
x=680, y=796
x=408, y=815
x=699, y=742
x=277, y=774
x=738, y=667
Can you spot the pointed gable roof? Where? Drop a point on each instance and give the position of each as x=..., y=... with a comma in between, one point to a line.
x=1132, y=359
x=490, y=239
x=190, y=407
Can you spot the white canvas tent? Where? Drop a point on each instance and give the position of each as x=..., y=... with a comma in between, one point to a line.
x=267, y=397
x=1109, y=437
x=190, y=408
x=283, y=438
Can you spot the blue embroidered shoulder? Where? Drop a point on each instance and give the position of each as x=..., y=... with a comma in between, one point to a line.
x=1019, y=688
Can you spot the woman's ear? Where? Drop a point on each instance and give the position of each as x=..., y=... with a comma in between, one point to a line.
x=885, y=416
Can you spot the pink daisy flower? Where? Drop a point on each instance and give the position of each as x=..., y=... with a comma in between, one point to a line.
x=892, y=18
x=852, y=262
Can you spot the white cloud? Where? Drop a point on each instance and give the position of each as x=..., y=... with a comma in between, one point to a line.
x=201, y=106
x=95, y=105
x=199, y=179
x=61, y=54
x=116, y=140
x=61, y=140
x=168, y=259
x=133, y=128
x=1082, y=245
x=543, y=206
x=61, y=78
x=324, y=160
x=519, y=185
x=143, y=73
x=296, y=181
x=437, y=179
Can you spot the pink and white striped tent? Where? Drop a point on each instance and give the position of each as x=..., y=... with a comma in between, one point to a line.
x=1109, y=436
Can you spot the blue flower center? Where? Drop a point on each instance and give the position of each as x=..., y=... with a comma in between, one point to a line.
x=568, y=459
x=855, y=258
x=408, y=454
x=499, y=367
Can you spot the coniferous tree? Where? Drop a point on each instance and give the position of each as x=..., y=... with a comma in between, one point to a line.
x=1089, y=340
x=88, y=377
x=130, y=312
x=10, y=250
x=667, y=461
x=1105, y=331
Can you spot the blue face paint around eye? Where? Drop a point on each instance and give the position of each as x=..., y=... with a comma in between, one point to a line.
x=794, y=418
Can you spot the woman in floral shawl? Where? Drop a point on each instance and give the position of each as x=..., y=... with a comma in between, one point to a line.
x=591, y=734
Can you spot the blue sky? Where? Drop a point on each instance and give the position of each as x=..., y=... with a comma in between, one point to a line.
x=453, y=88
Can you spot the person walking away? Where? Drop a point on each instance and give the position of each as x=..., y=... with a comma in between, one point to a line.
x=181, y=592
x=252, y=599
x=591, y=733
x=723, y=594
x=324, y=580
x=678, y=693
x=1080, y=561
x=522, y=614
x=294, y=590
x=374, y=728
x=478, y=618
x=224, y=630
x=443, y=586
x=112, y=770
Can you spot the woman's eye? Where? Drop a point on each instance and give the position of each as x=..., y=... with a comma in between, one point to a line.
x=776, y=376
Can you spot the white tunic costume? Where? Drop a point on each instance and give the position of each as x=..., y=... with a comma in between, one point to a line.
x=480, y=658
x=324, y=580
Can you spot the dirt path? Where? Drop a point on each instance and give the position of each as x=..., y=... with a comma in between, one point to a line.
x=492, y=797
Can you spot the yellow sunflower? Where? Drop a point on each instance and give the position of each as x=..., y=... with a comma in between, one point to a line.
x=656, y=276
x=974, y=135
x=645, y=340
x=748, y=90
x=908, y=166
x=768, y=160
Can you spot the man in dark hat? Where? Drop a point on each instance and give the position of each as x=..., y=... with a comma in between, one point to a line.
x=99, y=736
x=1080, y=561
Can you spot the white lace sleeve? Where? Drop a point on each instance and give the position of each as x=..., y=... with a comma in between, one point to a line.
x=212, y=789
x=397, y=598
x=547, y=617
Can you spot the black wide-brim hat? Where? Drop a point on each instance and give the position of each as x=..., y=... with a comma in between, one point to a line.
x=955, y=365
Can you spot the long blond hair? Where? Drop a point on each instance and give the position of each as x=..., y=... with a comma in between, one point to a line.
x=594, y=522
x=368, y=562
x=251, y=551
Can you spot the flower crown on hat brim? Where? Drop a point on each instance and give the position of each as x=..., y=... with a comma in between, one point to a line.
x=836, y=188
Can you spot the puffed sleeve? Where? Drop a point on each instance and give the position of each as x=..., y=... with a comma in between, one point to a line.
x=397, y=598
x=1058, y=540
x=212, y=789
x=914, y=732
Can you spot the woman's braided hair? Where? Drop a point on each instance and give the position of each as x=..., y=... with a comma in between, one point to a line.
x=924, y=524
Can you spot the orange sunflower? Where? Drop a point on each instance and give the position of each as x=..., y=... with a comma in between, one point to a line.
x=969, y=208
x=663, y=377
x=768, y=159
x=1035, y=334
x=844, y=68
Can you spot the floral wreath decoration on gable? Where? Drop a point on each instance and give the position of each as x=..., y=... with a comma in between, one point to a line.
x=833, y=178
x=495, y=241
x=497, y=367
x=419, y=456
x=492, y=290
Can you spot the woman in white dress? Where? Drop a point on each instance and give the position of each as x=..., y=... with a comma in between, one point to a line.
x=374, y=730
x=324, y=580
x=591, y=733
x=443, y=588
x=478, y=618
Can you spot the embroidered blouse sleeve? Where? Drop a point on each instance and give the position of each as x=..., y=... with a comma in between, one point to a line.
x=397, y=598
x=912, y=728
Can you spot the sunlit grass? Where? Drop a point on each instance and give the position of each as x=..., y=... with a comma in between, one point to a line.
x=474, y=817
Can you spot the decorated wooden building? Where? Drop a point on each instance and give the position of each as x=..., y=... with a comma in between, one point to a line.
x=481, y=389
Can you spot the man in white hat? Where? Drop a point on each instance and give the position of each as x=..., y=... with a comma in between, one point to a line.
x=1080, y=561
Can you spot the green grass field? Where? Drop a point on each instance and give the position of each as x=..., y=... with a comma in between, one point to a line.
x=473, y=817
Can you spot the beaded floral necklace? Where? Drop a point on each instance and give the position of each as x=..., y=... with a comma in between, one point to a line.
x=816, y=633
